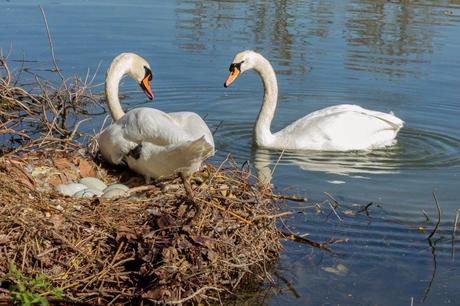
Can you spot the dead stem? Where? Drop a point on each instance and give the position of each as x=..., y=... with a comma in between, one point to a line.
x=112, y=250
x=439, y=216
x=454, y=230
x=50, y=42
x=33, y=120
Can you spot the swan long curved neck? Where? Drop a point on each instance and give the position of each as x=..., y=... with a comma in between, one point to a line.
x=112, y=81
x=262, y=133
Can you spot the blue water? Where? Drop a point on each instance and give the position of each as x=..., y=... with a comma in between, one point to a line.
x=383, y=55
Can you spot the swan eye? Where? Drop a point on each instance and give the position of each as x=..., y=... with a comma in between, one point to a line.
x=148, y=73
x=235, y=65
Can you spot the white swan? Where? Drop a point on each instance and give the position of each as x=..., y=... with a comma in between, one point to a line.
x=337, y=128
x=152, y=143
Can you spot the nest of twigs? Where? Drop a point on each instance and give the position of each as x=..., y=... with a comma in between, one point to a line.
x=150, y=247
x=38, y=113
x=129, y=250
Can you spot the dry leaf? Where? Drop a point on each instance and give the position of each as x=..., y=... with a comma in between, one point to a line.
x=55, y=180
x=21, y=176
x=125, y=232
x=165, y=221
x=62, y=163
x=86, y=169
x=57, y=220
x=200, y=240
x=4, y=239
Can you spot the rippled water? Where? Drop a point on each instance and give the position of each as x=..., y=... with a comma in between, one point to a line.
x=400, y=56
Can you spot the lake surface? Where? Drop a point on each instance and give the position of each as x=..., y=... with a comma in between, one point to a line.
x=400, y=56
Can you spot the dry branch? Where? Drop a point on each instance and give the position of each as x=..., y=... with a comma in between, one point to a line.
x=138, y=248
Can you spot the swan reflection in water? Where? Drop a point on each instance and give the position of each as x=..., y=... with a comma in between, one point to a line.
x=354, y=164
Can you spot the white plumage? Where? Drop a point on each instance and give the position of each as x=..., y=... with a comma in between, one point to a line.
x=152, y=143
x=337, y=128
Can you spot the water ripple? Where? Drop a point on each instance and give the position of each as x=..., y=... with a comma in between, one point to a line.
x=416, y=149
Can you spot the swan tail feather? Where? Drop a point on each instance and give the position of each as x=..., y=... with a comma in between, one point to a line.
x=189, y=155
x=391, y=119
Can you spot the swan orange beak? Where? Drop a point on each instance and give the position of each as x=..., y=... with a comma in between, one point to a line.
x=145, y=85
x=232, y=77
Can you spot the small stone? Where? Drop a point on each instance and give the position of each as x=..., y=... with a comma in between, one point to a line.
x=93, y=183
x=114, y=193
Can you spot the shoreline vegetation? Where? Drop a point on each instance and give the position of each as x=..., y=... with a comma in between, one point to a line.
x=147, y=247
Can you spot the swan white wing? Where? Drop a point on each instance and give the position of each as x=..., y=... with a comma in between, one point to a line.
x=152, y=125
x=137, y=126
x=148, y=125
x=160, y=161
x=342, y=127
x=113, y=145
x=194, y=125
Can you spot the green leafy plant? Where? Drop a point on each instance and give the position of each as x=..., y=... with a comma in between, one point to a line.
x=28, y=290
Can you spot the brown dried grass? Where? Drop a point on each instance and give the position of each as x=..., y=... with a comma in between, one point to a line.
x=146, y=248
x=128, y=250
x=36, y=113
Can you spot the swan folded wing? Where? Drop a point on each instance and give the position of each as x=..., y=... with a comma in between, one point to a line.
x=194, y=125
x=135, y=127
x=343, y=127
x=350, y=108
x=160, y=161
x=151, y=125
x=113, y=145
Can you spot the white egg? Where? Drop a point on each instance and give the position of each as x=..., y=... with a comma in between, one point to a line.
x=117, y=186
x=87, y=193
x=115, y=193
x=70, y=189
x=93, y=183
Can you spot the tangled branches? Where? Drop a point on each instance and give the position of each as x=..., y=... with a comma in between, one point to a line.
x=36, y=113
x=141, y=248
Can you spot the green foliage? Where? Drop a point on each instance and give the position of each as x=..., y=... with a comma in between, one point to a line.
x=30, y=291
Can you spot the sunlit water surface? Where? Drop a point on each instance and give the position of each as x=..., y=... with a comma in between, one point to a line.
x=382, y=55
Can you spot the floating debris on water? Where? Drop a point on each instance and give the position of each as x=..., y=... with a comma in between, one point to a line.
x=339, y=270
x=336, y=182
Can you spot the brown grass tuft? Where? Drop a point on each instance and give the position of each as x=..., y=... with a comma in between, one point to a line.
x=147, y=247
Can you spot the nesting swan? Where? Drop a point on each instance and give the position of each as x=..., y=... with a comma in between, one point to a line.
x=337, y=128
x=153, y=143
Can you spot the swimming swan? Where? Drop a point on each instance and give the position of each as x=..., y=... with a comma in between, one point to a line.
x=337, y=128
x=153, y=143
